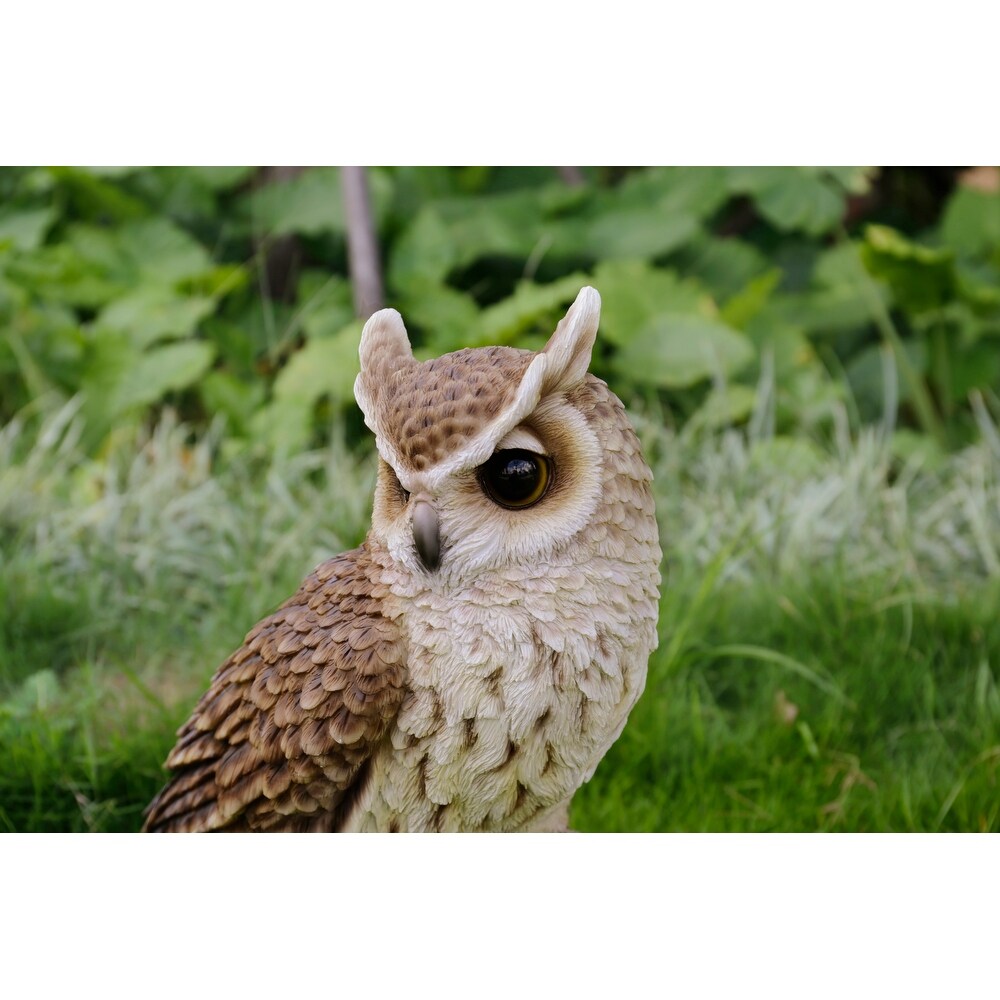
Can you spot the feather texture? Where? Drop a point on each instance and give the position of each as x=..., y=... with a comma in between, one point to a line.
x=280, y=739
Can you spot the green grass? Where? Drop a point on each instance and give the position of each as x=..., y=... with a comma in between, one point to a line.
x=818, y=706
x=829, y=648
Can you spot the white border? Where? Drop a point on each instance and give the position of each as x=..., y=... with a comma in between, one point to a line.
x=520, y=82
x=516, y=916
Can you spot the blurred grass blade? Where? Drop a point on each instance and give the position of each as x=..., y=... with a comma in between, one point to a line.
x=764, y=655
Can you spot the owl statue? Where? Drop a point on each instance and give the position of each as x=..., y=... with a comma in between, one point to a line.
x=470, y=664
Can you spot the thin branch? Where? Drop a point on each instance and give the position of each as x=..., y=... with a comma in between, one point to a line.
x=362, y=242
x=573, y=176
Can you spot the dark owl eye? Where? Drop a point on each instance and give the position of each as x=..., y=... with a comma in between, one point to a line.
x=515, y=479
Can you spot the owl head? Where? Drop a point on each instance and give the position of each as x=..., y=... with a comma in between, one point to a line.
x=492, y=457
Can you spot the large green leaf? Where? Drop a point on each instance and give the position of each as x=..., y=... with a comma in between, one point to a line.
x=446, y=316
x=504, y=322
x=238, y=399
x=24, y=229
x=140, y=271
x=634, y=292
x=451, y=233
x=697, y=191
x=753, y=180
x=723, y=266
x=162, y=253
x=979, y=285
x=234, y=347
x=971, y=223
x=804, y=203
x=553, y=222
x=637, y=233
x=151, y=312
x=95, y=265
x=327, y=304
x=509, y=225
x=219, y=178
x=424, y=253
x=119, y=378
x=217, y=282
x=855, y=180
x=842, y=297
x=100, y=247
x=725, y=406
x=98, y=198
x=750, y=300
x=312, y=202
x=61, y=274
x=675, y=351
x=976, y=367
x=161, y=370
x=840, y=265
x=823, y=311
x=258, y=330
x=920, y=277
x=324, y=367
x=792, y=198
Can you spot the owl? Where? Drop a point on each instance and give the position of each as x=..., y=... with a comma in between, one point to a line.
x=468, y=666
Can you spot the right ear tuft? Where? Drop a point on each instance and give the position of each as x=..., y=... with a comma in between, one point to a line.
x=569, y=348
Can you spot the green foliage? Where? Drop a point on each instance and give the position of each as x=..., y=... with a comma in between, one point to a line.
x=920, y=278
x=137, y=287
x=971, y=223
x=797, y=198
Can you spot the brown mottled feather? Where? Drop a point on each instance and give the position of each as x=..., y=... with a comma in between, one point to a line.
x=429, y=409
x=280, y=739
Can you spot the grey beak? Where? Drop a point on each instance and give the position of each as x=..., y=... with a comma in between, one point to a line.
x=426, y=534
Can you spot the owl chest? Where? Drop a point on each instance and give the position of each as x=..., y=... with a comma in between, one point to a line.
x=509, y=709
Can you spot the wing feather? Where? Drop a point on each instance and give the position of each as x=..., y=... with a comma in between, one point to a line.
x=280, y=739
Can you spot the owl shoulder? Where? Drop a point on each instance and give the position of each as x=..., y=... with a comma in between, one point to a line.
x=280, y=738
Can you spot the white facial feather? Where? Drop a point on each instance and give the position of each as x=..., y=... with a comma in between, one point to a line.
x=478, y=534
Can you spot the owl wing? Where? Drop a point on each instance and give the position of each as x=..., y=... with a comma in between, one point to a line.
x=281, y=738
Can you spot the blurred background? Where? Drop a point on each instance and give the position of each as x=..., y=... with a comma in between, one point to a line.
x=811, y=357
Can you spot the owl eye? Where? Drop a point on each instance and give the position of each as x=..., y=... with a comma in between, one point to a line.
x=515, y=479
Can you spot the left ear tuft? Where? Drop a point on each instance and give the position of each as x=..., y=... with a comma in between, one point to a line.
x=384, y=349
x=384, y=344
x=569, y=348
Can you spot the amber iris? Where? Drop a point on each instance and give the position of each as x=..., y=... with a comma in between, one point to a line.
x=515, y=479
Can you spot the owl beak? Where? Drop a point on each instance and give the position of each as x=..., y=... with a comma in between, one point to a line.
x=426, y=533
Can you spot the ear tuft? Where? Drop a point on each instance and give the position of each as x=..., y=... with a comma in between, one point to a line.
x=384, y=344
x=569, y=348
x=384, y=349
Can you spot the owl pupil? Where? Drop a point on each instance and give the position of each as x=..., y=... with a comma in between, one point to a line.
x=515, y=479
